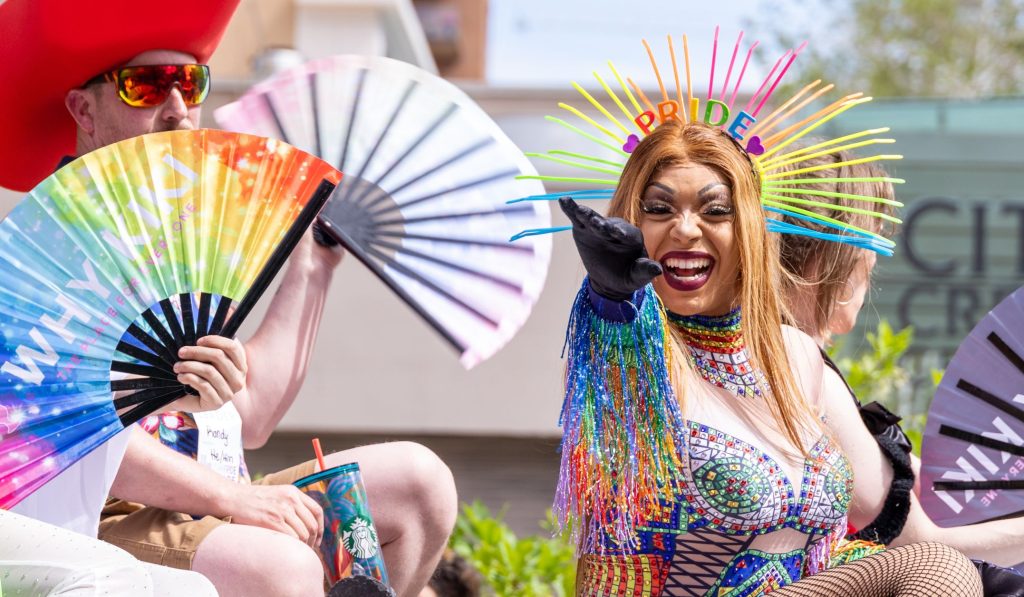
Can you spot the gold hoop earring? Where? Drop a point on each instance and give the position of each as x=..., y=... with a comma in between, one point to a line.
x=849, y=295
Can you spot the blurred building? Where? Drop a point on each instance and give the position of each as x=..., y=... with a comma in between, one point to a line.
x=960, y=250
x=445, y=36
x=961, y=246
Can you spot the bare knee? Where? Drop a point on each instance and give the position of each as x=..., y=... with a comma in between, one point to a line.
x=295, y=571
x=953, y=560
x=242, y=560
x=931, y=568
x=430, y=487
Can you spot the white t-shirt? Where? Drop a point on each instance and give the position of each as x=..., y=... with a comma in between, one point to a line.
x=74, y=499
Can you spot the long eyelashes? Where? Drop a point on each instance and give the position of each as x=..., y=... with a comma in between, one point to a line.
x=661, y=209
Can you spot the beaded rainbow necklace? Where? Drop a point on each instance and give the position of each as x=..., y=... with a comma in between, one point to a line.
x=719, y=353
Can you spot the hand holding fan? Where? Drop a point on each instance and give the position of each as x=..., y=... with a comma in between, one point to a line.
x=116, y=261
x=422, y=204
x=972, y=458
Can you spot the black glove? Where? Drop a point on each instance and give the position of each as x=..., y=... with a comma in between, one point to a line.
x=321, y=236
x=612, y=250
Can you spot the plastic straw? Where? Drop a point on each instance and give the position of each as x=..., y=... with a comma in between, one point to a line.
x=639, y=92
x=538, y=232
x=319, y=453
x=622, y=84
x=773, y=121
x=822, y=145
x=776, y=164
x=689, y=86
x=600, y=107
x=615, y=98
x=591, y=121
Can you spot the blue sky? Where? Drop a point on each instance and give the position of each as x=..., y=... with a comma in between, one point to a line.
x=552, y=42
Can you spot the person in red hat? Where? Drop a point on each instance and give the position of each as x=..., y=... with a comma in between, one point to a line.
x=45, y=58
x=250, y=539
x=48, y=47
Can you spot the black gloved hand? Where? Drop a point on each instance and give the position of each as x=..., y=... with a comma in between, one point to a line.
x=321, y=236
x=612, y=250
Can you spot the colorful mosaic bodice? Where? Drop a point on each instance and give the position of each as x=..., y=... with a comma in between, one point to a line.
x=718, y=352
x=703, y=542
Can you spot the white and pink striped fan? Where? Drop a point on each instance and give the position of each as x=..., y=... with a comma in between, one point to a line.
x=422, y=203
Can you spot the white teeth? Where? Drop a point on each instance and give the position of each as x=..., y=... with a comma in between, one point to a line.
x=689, y=278
x=688, y=263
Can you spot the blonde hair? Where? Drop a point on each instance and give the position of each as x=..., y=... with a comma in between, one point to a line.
x=674, y=143
x=826, y=266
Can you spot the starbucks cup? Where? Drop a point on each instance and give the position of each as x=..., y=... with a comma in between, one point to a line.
x=350, y=546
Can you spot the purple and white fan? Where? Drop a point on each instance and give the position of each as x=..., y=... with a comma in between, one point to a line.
x=973, y=449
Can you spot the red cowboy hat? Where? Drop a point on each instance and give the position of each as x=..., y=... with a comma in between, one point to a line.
x=48, y=47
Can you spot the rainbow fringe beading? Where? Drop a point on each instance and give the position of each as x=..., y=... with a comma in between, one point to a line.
x=849, y=551
x=622, y=427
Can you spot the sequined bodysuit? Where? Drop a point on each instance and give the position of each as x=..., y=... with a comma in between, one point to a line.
x=743, y=520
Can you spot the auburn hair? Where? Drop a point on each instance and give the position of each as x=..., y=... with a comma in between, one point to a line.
x=674, y=143
x=824, y=267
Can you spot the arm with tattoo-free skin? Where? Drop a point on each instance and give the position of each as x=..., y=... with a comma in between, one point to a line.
x=155, y=475
x=280, y=350
x=276, y=360
x=1000, y=542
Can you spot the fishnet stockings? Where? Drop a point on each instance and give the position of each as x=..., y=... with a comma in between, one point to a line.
x=918, y=570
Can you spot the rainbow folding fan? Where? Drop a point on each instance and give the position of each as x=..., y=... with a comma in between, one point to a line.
x=422, y=204
x=116, y=261
x=617, y=122
x=972, y=455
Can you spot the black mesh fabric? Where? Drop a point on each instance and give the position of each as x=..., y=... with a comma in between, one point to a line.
x=917, y=570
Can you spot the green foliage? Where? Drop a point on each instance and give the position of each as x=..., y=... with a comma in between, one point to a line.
x=903, y=48
x=877, y=373
x=882, y=372
x=514, y=566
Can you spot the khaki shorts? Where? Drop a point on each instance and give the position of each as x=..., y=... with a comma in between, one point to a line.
x=171, y=538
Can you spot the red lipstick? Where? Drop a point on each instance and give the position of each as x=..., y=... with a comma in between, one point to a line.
x=687, y=271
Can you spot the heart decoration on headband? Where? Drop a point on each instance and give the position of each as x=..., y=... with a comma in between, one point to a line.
x=754, y=146
x=631, y=142
x=767, y=139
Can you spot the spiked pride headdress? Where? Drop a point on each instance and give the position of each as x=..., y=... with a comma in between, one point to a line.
x=769, y=140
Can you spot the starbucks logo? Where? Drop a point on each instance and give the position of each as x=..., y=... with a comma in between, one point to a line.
x=360, y=538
